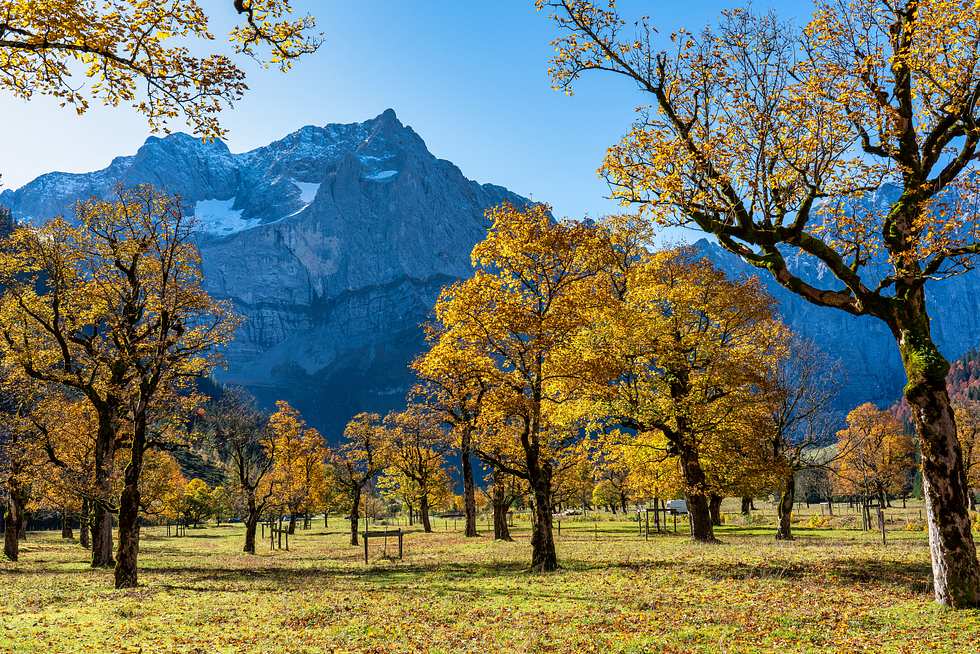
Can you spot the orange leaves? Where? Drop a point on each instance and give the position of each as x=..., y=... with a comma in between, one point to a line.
x=136, y=52
x=875, y=455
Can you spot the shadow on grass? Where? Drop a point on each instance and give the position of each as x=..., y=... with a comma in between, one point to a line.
x=913, y=577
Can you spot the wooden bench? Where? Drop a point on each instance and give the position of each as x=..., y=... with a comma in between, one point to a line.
x=383, y=533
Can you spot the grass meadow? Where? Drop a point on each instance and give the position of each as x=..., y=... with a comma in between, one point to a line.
x=834, y=589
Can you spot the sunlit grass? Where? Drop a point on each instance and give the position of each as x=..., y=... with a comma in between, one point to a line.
x=831, y=590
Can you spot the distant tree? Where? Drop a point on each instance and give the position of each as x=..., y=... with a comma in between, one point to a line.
x=197, y=506
x=968, y=431
x=298, y=469
x=850, y=144
x=415, y=446
x=876, y=455
x=454, y=381
x=137, y=52
x=804, y=383
x=237, y=430
x=357, y=461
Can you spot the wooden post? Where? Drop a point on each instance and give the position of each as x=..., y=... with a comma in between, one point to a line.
x=365, y=546
x=647, y=515
x=287, y=539
x=559, y=527
x=400, y=536
x=881, y=522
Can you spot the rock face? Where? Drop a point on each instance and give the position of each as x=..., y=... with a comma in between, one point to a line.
x=332, y=243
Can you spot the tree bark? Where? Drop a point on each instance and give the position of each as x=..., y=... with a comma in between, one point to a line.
x=544, y=558
x=784, y=509
x=66, y=531
x=501, y=531
x=84, y=526
x=714, y=507
x=424, y=514
x=355, y=514
x=102, y=518
x=702, y=530
x=955, y=570
x=746, y=505
x=12, y=523
x=251, y=524
x=292, y=523
x=127, y=553
x=469, y=489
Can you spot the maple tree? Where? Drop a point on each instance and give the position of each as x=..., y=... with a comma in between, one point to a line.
x=805, y=382
x=415, y=447
x=357, y=461
x=298, y=466
x=237, y=431
x=454, y=381
x=521, y=310
x=677, y=348
x=876, y=455
x=968, y=430
x=850, y=142
x=139, y=53
x=114, y=310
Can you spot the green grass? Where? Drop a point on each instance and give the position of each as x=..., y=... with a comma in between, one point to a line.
x=832, y=590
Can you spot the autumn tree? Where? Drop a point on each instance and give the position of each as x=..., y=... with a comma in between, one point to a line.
x=677, y=348
x=138, y=53
x=454, y=381
x=850, y=144
x=415, y=447
x=522, y=309
x=298, y=468
x=237, y=431
x=20, y=461
x=968, y=430
x=114, y=310
x=804, y=383
x=357, y=461
x=876, y=455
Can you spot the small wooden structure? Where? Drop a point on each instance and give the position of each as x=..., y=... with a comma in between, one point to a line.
x=383, y=533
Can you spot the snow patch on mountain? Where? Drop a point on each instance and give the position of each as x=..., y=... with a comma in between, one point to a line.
x=307, y=191
x=381, y=175
x=220, y=217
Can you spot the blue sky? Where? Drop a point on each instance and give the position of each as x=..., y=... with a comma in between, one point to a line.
x=470, y=77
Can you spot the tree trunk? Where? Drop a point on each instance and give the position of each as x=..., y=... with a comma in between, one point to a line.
x=355, y=515
x=746, y=505
x=544, y=558
x=84, y=526
x=292, y=523
x=500, y=507
x=697, y=497
x=971, y=497
x=66, y=531
x=12, y=522
x=128, y=549
x=784, y=509
x=424, y=514
x=955, y=570
x=102, y=518
x=251, y=523
x=714, y=507
x=469, y=489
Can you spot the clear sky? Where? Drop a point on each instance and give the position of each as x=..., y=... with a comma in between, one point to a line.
x=469, y=76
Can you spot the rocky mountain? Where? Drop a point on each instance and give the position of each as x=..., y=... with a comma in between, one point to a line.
x=332, y=242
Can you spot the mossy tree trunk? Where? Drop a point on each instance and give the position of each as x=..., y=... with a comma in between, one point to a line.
x=955, y=570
